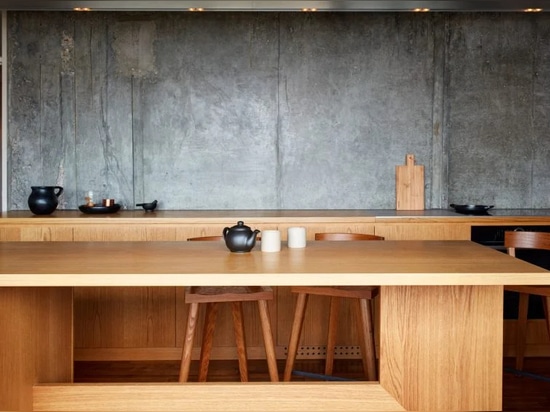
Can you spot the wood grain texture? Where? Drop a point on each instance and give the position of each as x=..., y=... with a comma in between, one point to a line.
x=424, y=231
x=133, y=317
x=409, y=185
x=35, y=342
x=211, y=264
x=252, y=397
x=444, y=347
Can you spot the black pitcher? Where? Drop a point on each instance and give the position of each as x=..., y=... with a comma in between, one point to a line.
x=43, y=199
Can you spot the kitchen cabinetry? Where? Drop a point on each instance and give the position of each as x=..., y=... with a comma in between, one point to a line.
x=423, y=231
x=133, y=323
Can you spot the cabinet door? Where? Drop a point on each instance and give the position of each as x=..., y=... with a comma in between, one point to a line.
x=423, y=231
x=10, y=234
x=47, y=233
x=124, y=317
x=35, y=233
x=103, y=233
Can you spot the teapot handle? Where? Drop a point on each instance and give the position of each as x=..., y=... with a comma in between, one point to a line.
x=59, y=191
x=225, y=230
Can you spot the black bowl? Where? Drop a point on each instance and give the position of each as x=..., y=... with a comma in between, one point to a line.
x=98, y=209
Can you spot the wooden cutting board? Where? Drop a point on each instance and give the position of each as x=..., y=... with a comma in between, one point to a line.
x=409, y=185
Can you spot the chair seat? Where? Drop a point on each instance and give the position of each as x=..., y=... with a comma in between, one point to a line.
x=357, y=292
x=531, y=289
x=206, y=294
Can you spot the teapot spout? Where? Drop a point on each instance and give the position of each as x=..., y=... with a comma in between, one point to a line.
x=252, y=239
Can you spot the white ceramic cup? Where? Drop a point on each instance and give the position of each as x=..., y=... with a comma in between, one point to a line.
x=270, y=241
x=296, y=237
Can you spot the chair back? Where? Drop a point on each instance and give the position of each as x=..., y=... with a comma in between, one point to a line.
x=192, y=239
x=526, y=240
x=346, y=236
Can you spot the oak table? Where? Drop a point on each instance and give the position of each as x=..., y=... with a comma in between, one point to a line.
x=440, y=322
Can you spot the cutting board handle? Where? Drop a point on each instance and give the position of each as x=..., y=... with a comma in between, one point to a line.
x=409, y=159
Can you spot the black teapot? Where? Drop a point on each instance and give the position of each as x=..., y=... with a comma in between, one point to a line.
x=240, y=238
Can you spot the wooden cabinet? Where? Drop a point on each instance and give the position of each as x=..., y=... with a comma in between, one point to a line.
x=423, y=231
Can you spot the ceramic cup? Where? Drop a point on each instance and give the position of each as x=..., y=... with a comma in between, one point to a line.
x=271, y=241
x=296, y=237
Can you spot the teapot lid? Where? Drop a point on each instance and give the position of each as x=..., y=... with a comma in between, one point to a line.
x=240, y=226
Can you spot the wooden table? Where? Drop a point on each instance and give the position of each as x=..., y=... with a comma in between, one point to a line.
x=440, y=322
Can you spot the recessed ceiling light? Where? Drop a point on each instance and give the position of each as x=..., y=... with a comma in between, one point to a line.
x=532, y=10
x=421, y=9
x=82, y=9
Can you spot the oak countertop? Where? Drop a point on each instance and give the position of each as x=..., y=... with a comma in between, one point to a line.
x=496, y=216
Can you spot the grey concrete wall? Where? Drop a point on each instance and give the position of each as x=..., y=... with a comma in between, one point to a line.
x=278, y=110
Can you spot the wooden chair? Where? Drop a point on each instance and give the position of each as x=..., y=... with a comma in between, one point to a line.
x=236, y=295
x=527, y=240
x=363, y=297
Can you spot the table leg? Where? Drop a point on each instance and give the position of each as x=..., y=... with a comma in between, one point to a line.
x=35, y=342
x=441, y=346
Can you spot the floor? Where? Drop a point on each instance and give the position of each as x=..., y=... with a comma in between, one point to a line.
x=529, y=391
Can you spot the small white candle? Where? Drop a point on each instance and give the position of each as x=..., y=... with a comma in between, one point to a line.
x=296, y=237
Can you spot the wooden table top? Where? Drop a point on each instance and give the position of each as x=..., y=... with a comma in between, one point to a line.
x=211, y=263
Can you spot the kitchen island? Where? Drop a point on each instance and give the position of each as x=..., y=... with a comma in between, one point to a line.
x=440, y=321
x=144, y=323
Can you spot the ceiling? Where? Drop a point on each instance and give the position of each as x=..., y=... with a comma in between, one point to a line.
x=274, y=5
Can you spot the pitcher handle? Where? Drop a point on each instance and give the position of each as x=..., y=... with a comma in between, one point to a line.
x=59, y=191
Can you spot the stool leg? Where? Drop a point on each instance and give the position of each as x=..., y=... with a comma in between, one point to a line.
x=295, y=332
x=366, y=337
x=546, y=304
x=188, y=342
x=238, y=327
x=207, y=338
x=331, y=336
x=268, y=341
x=521, y=331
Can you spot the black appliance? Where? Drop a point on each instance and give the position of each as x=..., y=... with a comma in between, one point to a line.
x=493, y=236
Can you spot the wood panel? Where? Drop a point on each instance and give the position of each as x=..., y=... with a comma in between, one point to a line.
x=47, y=312
x=130, y=317
x=105, y=233
x=10, y=234
x=465, y=338
x=47, y=233
x=423, y=231
x=214, y=397
x=537, y=340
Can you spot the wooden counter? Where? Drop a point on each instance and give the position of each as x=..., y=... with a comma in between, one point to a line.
x=440, y=323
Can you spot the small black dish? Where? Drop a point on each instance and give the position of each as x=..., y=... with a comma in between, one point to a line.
x=98, y=209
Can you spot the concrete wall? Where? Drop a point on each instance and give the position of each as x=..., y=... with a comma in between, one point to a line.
x=279, y=110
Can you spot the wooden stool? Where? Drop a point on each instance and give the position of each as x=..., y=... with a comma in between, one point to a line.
x=236, y=295
x=363, y=297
